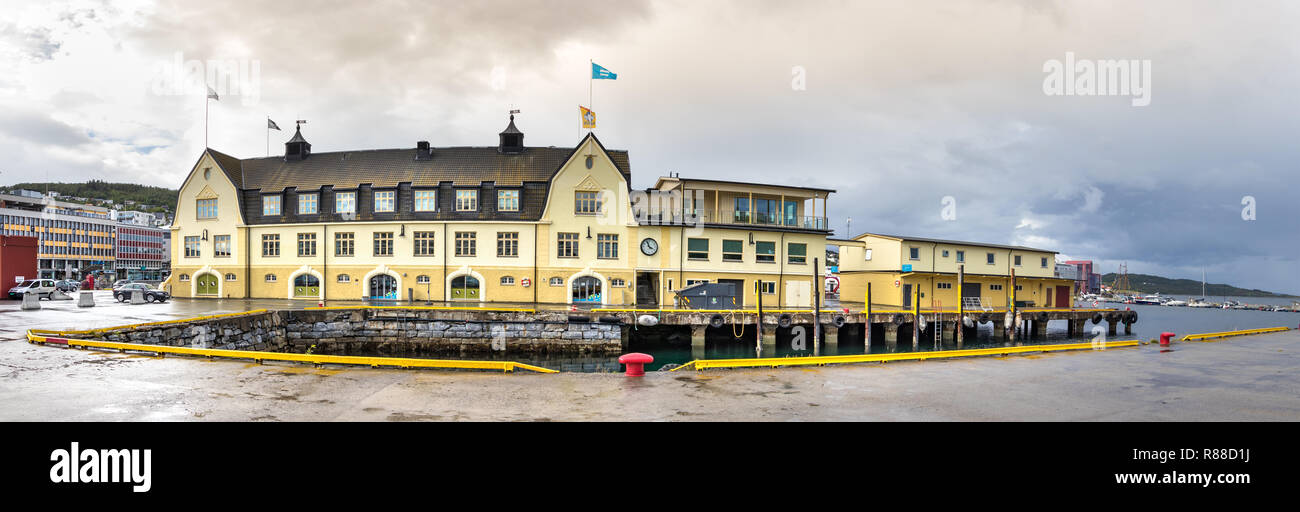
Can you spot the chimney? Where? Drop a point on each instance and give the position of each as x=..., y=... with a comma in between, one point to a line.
x=422, y=151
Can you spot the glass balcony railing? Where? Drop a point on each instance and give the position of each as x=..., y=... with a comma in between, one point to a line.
x=734, y=217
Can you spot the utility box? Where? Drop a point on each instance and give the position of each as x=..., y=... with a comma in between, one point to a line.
x=17, y=260
x=709, y=296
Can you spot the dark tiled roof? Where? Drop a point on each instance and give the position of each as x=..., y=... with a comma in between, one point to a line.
x=464, y=166
x=231, y=165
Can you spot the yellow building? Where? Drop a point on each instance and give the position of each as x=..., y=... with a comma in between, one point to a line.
x=895, y=266
x=503, y=223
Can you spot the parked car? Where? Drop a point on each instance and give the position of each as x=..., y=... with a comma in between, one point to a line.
x=151, y=294
x=43, y=288
x=118, y=283
x=67, y=285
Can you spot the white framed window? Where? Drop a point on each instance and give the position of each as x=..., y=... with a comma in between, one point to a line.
x=507, y=281
x=206, y=208
x=768, y=287
x=270, y=278
x=231, y=277
x=466, y=200
x=507, y=200
x=961, y=256
x=421, y=279
x=586, y=203
x=557, y=281
x=184, y=277
x=270, y=205
x=866, y=255
x=693, y=282
x=345, y=202
x=1017, y=260
x=344, y=278
x=307, y=203
x=617, y=283
x=913, y=253
x=426, y=200
x=385, y=200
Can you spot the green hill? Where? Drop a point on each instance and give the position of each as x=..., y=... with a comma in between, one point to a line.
x=1144, y=283
x=160, y=199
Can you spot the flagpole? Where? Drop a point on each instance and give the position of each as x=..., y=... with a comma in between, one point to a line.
x=268, y=135
x=206, y=100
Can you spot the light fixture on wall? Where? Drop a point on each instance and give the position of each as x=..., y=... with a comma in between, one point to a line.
x=205, y=234
x=403, y=234
x=751, y=238
x=588, y=232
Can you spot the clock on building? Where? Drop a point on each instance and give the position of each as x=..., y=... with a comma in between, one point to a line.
x=649, y=246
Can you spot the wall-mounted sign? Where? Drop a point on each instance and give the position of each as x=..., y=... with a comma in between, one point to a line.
x=907, y=268
x=525, y=282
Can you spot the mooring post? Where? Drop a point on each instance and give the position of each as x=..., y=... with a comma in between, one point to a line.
x=961, y=305
x=866, y=322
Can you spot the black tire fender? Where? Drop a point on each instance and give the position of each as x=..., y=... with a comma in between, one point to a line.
x=716, y=321
x=898, y=319
x=1096, y=318
x=1131, y=318
x=784, y=321
x=1042, y=317
x=838, y=321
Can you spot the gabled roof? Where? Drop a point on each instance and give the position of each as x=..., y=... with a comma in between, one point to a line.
x=953, y=242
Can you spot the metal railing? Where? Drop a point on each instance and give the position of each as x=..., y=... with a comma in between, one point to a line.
x=733, y=217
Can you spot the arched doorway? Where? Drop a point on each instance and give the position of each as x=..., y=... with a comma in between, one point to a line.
x=306, y=285
x=383, y=286
x=586, y=289
x=207, y=284
x=465, y=288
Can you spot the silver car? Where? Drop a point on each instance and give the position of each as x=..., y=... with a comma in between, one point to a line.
x=43, y=288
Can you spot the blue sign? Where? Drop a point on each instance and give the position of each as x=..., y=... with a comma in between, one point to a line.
x=907, y=268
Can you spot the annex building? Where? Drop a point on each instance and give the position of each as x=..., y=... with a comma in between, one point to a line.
x=896, y=266
x=503, y=223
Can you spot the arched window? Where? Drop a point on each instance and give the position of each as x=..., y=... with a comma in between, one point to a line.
x=306, y=285
x=586, y=289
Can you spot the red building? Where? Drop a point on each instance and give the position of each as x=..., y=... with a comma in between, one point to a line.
x=17, y=259
x=1088, y=282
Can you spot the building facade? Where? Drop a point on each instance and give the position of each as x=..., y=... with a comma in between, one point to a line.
x=142, y=253
x=504, y=223
x=1089, y=282
x=73, y=239
x=895, y=266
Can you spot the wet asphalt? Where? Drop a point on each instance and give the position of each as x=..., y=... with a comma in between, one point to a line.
x=1252, y=378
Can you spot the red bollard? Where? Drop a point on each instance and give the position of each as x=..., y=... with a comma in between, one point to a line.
x=1165, y=337
x=636, y=362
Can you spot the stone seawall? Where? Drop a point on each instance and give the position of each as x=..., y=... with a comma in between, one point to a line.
x=411, y=332
x=259, y=331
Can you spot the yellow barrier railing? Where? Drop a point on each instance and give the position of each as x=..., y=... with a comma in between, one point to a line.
x=146, y=324
x=258, y=356
x=431, y=308
x=701, y=364
x=1225, y=334
x=841, y=311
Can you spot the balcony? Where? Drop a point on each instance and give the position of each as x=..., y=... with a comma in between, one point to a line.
x=735, y=217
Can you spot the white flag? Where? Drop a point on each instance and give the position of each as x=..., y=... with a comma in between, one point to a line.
x=212, y=95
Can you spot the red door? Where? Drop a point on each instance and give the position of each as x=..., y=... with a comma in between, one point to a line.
x=1062, y=296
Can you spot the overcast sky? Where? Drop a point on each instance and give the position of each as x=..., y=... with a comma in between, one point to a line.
x=903, y=103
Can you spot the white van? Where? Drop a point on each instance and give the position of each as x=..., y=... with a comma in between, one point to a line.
x=43, y=288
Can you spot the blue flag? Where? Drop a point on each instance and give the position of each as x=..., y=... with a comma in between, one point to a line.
x=600, y=73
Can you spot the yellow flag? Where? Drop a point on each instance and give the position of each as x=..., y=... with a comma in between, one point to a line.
x=588, y=117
